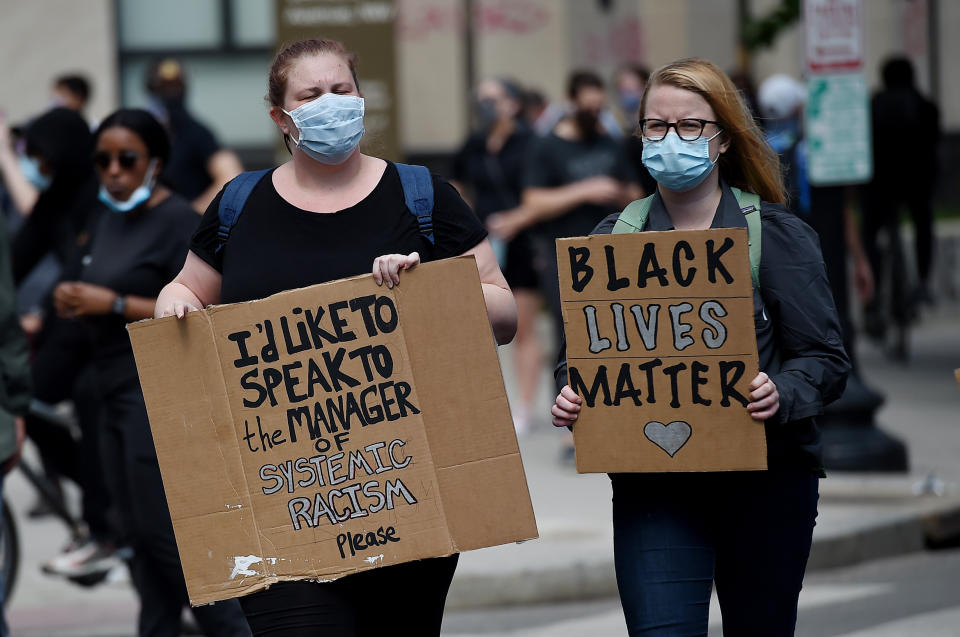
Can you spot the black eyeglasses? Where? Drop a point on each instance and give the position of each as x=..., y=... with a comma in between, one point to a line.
x=689, y=129
x=126, y=158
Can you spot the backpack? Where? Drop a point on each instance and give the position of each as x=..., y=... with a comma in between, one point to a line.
x=634, y=216
x=416, y=182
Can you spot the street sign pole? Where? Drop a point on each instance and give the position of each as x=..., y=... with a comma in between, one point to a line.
x=837, y=132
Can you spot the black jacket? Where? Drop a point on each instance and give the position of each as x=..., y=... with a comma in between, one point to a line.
x=799, y=340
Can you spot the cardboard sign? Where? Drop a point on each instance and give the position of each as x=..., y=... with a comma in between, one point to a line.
x=661, y=346
x=333, y=429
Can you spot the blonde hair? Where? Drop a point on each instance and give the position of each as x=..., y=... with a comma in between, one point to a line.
x=749, y=163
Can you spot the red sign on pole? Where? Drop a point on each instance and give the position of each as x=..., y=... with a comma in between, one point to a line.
x=833, y=32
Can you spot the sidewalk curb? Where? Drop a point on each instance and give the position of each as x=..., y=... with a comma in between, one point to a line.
x=907, y=534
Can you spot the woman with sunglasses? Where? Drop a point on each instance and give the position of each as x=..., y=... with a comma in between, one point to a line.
x=138, y=244
x=750, y=532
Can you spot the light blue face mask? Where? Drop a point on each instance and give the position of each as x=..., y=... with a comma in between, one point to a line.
x=30, y=167
x=676, y=164
x=329, y=128
x=137, y=197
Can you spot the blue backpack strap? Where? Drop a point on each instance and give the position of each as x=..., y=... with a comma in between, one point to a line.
x=234, y=197
x=418, y=195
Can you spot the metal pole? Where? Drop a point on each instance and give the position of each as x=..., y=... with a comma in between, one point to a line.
x=469, y=55
x=933, y=48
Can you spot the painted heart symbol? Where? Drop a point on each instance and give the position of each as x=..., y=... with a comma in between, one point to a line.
x=671, y=437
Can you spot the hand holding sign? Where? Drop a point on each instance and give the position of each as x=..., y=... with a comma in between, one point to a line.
x=566, y=407
x=765, y=400
x=386, y=268
x=661, y=350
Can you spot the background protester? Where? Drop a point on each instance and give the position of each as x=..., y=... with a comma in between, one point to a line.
x=676, y=534
x=71, y=91
x=137, y=246
x=489, y=167
x=906, y=134
x=56, y=160
x=328, y=213
x=198, y=167
x=14, y=383
x=630, y=82
x=575, y=176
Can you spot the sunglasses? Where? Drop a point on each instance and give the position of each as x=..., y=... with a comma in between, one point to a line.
x=126, y=158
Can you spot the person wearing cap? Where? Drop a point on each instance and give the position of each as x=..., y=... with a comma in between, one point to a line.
x=781, y=100
x=199, y=167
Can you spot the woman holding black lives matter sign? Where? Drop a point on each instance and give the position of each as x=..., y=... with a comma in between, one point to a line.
x=750, y=532
x=328, y=213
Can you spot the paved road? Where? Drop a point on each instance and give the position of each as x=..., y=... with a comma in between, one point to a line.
x=913, y=595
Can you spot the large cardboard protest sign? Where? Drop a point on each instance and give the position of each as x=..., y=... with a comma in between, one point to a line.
x=661, y=347
x=333, y=429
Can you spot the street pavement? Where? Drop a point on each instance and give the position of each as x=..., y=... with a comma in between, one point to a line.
x=862, y=518
x=915, y=594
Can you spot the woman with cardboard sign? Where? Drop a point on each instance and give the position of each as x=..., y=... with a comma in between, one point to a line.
x=675, y=534
x=329, y=213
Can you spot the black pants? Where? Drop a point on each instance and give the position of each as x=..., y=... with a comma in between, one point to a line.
x=882, y=210
x=675, y=535
x=406, y=599
x=134, y=475
x=62, y=370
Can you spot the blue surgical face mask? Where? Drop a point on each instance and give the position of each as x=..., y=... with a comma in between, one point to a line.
x=329, y=128
x=137, y=197
x=676, y=164
x=30, y=167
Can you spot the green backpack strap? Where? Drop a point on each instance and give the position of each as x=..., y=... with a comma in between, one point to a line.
x=750, y=207
x=633, y=216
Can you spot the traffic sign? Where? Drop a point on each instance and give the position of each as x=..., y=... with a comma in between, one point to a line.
x=837, y=129
x=833, y=35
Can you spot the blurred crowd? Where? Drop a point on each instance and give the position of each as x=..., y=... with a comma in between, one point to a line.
x=533, y=171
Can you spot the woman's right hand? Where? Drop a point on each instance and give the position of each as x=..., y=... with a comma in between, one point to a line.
x=565, y=408
x=175, y=299
x=174, y=307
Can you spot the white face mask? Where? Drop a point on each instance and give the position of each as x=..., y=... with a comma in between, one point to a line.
x=137, y=197
x=329, y=128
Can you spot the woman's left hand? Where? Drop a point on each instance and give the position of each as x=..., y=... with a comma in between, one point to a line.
x=764, y=398
x=73, y=299
x=386, y=268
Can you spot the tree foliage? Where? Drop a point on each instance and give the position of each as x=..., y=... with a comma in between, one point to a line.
x=760, y=33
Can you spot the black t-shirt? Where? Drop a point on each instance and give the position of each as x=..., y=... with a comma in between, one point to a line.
x=275, y=246
x=192, y=145
x=136, y=254
x=555, y=162
x=497, y=180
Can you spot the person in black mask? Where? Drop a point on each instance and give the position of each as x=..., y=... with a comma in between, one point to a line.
x=489, y=169
x=575, y=176
x=906, y=133
x=199, y=167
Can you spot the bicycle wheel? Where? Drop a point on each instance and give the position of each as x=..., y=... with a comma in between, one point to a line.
x=9, y=552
